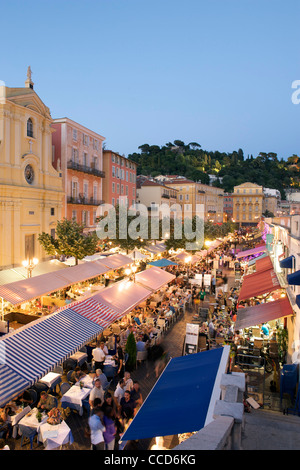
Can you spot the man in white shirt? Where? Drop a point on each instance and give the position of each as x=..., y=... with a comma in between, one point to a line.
x=96, y=392
x=98, y=356
x=97, y=429
x=119, y=392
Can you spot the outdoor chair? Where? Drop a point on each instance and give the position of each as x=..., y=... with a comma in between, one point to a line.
x=141, y=356
x=64, y=387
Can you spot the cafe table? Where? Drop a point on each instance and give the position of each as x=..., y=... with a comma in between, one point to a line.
x=51, y=379
x=109, y=361
x=29, y=424
x=86, y=381
x=54, y=436
x=14, y=419
x=79, y=357
x=73, y=398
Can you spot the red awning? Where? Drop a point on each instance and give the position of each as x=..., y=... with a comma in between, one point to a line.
x=264, y=264
x=262, y=313
x=258, y=284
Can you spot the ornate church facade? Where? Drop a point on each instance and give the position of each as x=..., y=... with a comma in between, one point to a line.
x=31, y=191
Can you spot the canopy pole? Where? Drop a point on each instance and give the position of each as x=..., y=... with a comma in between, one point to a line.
x=2, y=310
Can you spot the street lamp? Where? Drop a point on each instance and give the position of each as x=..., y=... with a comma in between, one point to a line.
x=30, y=265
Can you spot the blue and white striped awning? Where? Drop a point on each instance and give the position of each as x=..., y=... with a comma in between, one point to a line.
x=34, y=350
x=11, y=384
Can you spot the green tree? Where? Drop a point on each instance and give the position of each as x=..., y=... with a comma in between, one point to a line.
x=69, y=241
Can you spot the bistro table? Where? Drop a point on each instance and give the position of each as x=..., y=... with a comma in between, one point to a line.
x=73, y=398
x=53, y=436
x=29, y=424
x=86, y=381
x=14, y=419
x=51, y=379
x=79, y=357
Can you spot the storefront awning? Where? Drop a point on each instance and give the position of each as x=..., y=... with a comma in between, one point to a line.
x=253, y=251
x=258, y=284
x=294, y=278
x=262, y=313
x=288, y=263
x=183, y=398
x=34, y=350
x=253, y=261
x=264, y=264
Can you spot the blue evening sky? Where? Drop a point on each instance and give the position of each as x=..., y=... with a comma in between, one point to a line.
x=216, y=72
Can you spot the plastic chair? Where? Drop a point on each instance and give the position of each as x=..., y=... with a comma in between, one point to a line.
x=64, y=387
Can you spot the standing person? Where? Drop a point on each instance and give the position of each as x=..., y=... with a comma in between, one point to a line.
x=128, y=381
x=97, y=392
x=127, y=406
x=119, y=392
x=110, y=429
x=98, y=356
x=97, y=429
x=119, y=359
x=213, y=284
x=136, y=395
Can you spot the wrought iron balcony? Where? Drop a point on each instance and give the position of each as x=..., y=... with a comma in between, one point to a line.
x=87, y=201
x=85, y=169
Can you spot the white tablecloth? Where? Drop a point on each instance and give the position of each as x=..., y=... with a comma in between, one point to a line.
x=50, y=379
x=30, y=419
x=87, y=382
x=109, y=361
x=79, y=356
x=74, y=396
x=54, y=436
x=19, y=415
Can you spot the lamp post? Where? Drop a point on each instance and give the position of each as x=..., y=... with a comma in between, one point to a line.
x=30, y=265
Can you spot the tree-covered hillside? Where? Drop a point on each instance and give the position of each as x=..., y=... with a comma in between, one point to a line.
x=191, y=161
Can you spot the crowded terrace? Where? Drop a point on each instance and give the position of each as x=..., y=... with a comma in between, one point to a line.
x=85, y=367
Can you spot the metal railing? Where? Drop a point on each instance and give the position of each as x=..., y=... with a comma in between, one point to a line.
x=85, y=169
x=88, y=201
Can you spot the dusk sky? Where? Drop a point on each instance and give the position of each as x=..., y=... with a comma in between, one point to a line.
x=216, y=72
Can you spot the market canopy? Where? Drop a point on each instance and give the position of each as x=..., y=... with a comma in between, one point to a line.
x=17, y=274
x=116, y=261
x=162, y=263
x=183, y=398
x=253, y=251
x=258, y=284
x=262, y=313
x=154, y=278
x=31, y=288
x=32, y=351
x=155, y=249
x=136, y=255
x=182, y=256
x=288, y=263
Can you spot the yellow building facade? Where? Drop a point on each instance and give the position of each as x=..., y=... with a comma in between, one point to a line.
x=247, y=203
x=31, y=189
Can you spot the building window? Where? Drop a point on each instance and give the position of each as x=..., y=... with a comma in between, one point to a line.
x=52, y=211
x=75, y=135
x=113, y=187
x=29, y=128
x=74, y=215
x=113, y=171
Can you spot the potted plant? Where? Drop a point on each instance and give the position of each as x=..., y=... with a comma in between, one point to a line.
x=39, y=416
x=130, y=349
x=282, y=341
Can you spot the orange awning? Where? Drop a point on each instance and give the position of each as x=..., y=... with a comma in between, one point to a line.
x=258, y=284
x=262, y=313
